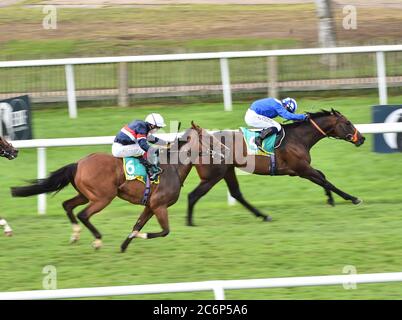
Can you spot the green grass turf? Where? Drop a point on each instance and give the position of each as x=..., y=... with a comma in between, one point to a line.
x=306, y=237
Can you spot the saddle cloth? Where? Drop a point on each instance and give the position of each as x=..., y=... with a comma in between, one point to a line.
x=135, y=170
x=268, y=144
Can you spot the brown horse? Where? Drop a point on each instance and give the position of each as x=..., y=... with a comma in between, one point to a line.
x=8, y=151
x=292, y=158
x=99, y=178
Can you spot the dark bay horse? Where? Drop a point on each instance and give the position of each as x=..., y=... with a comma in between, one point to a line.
x=7, y=151
x=99, y=178
x=292, y=158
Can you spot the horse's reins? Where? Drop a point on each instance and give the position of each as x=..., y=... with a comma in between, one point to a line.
x=209, y=151
x=318, y=127
x=353, y=136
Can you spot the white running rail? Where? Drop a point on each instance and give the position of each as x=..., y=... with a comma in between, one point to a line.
x=218, y=286
x=224, y=65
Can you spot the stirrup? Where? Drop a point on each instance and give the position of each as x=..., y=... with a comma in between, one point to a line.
x=155, y=172
x=153, y=176
x=260, y=140
x=158, y=170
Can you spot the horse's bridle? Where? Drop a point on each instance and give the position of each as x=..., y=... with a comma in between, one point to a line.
x=213, y=153
x=350, y=137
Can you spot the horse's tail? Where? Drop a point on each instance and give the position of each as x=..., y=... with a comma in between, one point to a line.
x=54, y=183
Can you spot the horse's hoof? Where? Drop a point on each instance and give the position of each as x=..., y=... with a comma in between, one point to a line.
x=331, y=203
x=357, y=201
x=124, y=246
x=97, y=244
x=190, y=224
x=8, y=233
x=267, y=219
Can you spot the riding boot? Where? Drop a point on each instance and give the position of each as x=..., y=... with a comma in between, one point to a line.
x=152, y=169
x=264, y=134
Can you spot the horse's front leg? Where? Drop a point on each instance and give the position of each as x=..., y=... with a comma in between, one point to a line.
x=7, y=229
x=328, y=193
x=161, y=215
x=142, y=220
x=195, y=195
x=318, y=178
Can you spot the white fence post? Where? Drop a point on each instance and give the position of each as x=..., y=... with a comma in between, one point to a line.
x=227, y=92
x=219, y=292
x=72, y=100
x=273, y=77
x=123, y=99
x=42, y=175
x=381, y=76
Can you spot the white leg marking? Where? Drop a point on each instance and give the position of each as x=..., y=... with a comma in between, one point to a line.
x=7, y=229
x=137, y=234
x=76, y=233
x=97, y=244
x=142, y=235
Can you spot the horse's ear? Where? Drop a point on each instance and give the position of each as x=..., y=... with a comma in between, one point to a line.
x=195, y=126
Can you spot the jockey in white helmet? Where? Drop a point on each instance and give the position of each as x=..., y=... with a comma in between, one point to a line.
x=132, y=141
x=261, y=114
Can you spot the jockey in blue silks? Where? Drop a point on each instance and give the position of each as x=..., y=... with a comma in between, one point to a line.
x=261, y=113
x=132, y=141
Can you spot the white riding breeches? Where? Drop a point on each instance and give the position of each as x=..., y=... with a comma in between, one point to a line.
x=131, y=150
x=256, y=120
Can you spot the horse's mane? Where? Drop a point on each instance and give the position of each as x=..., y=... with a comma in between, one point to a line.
x=314, y=115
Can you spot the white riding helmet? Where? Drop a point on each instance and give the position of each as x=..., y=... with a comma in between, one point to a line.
x=290, y=104
x=156, y=119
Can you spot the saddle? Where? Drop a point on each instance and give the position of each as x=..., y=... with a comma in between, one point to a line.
x=135, y=170
x=269, y=144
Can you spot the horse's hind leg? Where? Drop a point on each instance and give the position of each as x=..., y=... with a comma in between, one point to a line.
x=84, y=216
x=234, y=189
x=142, y=220
x=69, y=206
x=328, y=192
